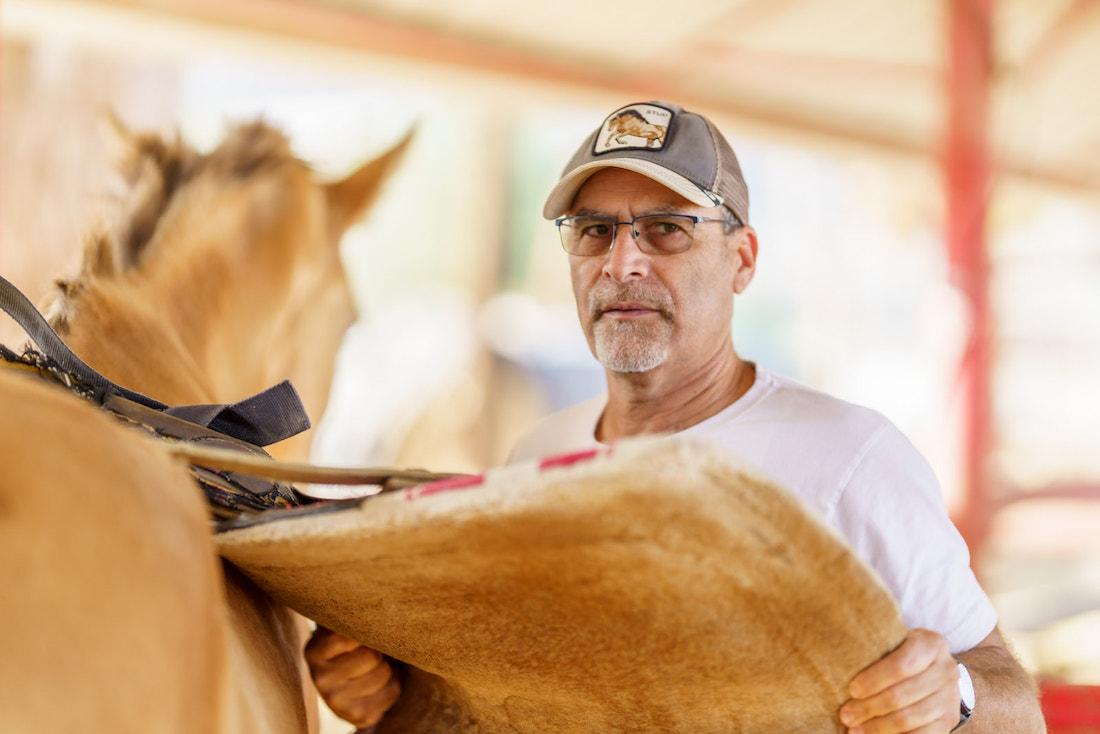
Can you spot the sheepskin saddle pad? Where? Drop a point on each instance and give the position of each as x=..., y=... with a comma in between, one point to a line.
x=658, y=585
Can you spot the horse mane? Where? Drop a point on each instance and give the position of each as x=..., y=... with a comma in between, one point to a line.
x=630, y=113
x=153, y=170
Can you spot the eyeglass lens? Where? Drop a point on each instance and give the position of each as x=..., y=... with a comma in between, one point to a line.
x=656, y=234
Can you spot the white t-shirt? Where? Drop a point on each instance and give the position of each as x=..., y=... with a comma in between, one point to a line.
x=851, y=465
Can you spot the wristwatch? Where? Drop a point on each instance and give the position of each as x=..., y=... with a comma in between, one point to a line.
x=966, y=696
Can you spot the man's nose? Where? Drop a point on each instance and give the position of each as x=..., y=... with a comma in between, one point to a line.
x=625, y=260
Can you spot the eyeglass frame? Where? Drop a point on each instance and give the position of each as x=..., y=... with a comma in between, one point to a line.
x=634, y=231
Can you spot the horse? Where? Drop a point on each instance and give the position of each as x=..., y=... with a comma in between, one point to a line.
x=220, y=277
x=631, y=123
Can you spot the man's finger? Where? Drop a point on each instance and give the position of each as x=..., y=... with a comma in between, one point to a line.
x=366, y=683
x=349, y=669
x=368, y=711
x=919, y=717
x=907, y=693
x=916, y=654
x=935, y=687
x=326, y=644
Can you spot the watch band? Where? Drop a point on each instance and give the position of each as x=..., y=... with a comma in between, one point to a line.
x=966, y=696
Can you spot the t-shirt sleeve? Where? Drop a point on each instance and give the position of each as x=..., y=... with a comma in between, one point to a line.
x=891, y=510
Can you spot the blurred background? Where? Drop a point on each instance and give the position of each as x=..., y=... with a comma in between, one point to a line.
x=925, y=182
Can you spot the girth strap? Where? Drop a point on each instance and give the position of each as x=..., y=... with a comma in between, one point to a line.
x=267, y=417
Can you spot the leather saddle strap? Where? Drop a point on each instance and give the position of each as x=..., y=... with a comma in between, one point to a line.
x=263, y=419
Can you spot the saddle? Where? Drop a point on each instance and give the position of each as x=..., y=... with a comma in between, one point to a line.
x=660, y=585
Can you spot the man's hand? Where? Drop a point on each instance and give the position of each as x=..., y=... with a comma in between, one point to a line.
x=356, y=682
x=913, y=690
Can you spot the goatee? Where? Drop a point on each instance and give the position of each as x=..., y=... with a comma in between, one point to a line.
x=631, y=345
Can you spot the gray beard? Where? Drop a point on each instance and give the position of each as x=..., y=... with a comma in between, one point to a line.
x=632, y=347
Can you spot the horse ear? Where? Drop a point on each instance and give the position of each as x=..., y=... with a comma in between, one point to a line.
x=122, y=143
x=349, y=199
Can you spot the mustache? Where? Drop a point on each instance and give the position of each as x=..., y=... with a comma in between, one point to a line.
x=651, y=296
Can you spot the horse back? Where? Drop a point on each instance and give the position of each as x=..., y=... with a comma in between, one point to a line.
x=82, y=650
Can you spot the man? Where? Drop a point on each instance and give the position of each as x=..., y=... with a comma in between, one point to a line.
x=654, y=217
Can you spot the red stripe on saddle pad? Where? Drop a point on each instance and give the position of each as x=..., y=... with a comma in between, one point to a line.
x=444, y=485
x=574, y=458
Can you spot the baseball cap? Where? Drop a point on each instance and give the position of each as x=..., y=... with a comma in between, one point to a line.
x=676, y=148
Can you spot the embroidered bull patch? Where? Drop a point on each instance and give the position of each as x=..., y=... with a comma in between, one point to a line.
x=643, y=126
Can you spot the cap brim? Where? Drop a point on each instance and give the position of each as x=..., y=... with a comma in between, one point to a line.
x=562, y=195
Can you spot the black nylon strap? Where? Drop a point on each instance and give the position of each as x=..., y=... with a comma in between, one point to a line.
x=267, y=417
x=41, y=333
x=263, y=419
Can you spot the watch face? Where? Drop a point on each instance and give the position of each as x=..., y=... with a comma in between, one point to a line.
x=966, y=689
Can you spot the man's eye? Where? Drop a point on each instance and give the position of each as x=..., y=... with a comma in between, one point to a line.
x=595, y=230
x=665, y=227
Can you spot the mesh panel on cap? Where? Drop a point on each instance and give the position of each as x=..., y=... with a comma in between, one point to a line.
x=730, y=184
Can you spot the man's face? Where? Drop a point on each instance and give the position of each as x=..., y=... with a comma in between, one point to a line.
x=640, y=312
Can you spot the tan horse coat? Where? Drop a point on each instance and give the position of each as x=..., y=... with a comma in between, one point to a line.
x=222, y=279
x=112, y=605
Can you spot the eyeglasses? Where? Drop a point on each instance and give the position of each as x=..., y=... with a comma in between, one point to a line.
x=655, y=234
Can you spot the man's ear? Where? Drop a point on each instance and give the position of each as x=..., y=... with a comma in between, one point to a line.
x=743, y=247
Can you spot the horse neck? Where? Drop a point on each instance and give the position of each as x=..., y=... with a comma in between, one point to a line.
x=192, y=339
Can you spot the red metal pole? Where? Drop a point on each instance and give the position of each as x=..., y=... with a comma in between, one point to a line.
x=968, y=170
